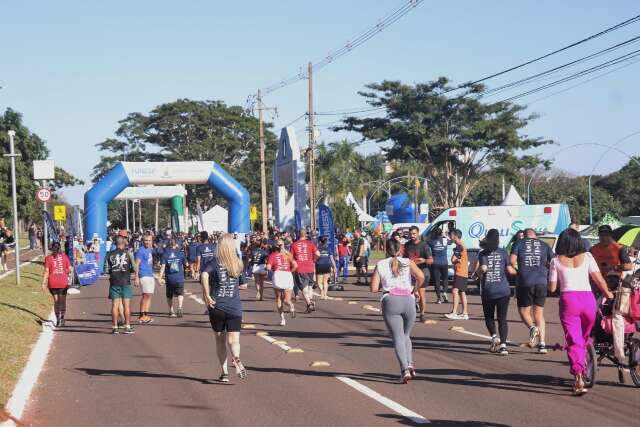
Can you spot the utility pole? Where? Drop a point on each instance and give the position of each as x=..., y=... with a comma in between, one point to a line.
x=263, y=168
x=12, y=154
x=311, y=154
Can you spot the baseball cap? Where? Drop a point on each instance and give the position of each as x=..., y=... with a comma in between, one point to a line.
x=605, y=229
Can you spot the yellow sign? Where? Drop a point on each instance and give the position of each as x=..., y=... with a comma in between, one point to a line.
x=59, y=213
x=253, y=214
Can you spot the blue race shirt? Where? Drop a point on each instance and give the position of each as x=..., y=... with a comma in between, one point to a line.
x=534, y=256
x=224, y=289
x=193, y=249
x=206, y=252
x=146, y=261
x=439, y=251
x=174, y=261
x=494, y=282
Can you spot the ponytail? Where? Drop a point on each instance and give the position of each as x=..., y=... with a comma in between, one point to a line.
x=393, y=249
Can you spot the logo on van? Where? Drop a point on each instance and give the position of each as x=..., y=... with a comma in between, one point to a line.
x=477, y=230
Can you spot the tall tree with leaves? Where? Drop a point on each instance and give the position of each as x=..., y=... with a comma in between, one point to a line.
x=623, y=186
x=455, y=138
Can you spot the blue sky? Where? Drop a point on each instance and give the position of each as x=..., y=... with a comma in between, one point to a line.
x=74, y=68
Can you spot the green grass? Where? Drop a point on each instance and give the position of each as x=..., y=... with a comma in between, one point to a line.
x=22, y=310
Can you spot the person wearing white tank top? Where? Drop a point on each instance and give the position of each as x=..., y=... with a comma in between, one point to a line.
x=398, y=302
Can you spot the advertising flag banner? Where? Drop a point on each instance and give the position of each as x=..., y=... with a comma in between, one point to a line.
x=326, y=226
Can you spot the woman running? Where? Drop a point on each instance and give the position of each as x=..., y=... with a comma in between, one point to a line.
x=495, y=291
x=259, y=257
x=398, y=302
x=282, y=264
x=56, y=278
x=220, y=282
x=571, y=269
x=325, y=264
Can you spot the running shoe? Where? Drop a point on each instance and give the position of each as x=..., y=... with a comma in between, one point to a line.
x=412, y=371
x=240, y=369
x=444, y=298
x=242, y=286
x=172, y=314
x=422, y=317
x=61, y=323
x=542, y=348
x=534, y=336
x=180, y=313
x=452, y=316
x=115, y=331
x=293, y=314
x=312, y=306
x=464, y=316
x=129, y=330
x=405, y=377
x=503, y=350
x=224, y=378
x=495, y=344
x=283, y=322
x=439, y=301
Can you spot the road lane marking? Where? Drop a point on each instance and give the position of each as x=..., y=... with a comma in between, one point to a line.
x=197, y=299
x=394, y=406
x=320, y=364
x=371, y=308
x=283, y=345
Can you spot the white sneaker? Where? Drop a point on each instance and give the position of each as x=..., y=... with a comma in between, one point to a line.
x=503, y=350
x=283, y=322
x=463, y=316
x=452, y=316
x=495, y=344
x=534, y=336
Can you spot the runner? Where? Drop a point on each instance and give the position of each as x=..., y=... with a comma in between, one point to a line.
x=119, y=265
x=398, y=302
x=259, y=257
x=172, y=273
x=344, y=251
x=144, y=277
x=531, y=257
x=192, y=256
x=440, y=267
x=571, y=270
x=205, y=253
x=460, y=261
x=359, y=257
x=282, y=264
x=325, y=266
x=305, y=253
x=220, y=282
x=7, y=241
x=495, y=290
x=56, y=278
x=420, y=253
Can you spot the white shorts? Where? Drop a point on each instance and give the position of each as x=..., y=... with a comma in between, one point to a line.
x=259, y=269
x=282, y=280
x=148, y=284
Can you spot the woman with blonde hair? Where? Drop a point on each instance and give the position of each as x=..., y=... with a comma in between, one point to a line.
x=282, y=264
x=398, y=302
x=221, y=280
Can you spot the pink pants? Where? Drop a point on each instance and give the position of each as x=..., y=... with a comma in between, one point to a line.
x=577, y=315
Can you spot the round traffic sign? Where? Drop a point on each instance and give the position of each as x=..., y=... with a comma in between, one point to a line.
x=43, y=194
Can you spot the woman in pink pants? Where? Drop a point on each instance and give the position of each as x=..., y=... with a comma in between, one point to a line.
x=572, y=269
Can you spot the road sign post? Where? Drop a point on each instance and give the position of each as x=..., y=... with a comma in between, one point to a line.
x=44, y=170
x=16, y=232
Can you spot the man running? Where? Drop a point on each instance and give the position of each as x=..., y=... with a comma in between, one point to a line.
x=144, y=276
x=119, y=265
x=531, y=257
x=172, y=273
x=420, y=253
x=305, y=253
x=359, y=257
x=205, y=253
x=460, y=261
x=56, y=278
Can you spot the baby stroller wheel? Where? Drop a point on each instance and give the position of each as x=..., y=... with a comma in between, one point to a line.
x=634, y=361
x=591, y=367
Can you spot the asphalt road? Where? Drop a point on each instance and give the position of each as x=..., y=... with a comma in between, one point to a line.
x=165, y=374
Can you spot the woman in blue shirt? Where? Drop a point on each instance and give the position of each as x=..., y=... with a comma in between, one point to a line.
x=220, y=282
x=495, y=290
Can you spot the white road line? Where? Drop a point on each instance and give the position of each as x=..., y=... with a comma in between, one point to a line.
x=371, y=308
x=29, y=377
x=24, y=264
x=394, y=406
x=274, y=341
x=475, y=334
x=197, y=299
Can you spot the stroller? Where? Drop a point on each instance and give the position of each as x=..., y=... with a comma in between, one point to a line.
x=601, y=346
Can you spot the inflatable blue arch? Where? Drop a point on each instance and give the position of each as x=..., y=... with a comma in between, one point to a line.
x=125, y=174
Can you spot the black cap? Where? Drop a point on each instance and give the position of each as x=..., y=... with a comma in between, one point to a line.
x=605, y=229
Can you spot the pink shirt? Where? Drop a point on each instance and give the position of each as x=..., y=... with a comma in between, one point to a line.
x=572, y=279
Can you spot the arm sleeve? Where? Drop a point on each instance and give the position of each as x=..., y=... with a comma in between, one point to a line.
x=427, y=252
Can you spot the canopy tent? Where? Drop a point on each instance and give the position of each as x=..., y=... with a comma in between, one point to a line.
x=215, y=219
x=607, y=219
x=362, y=215
x=512, y=198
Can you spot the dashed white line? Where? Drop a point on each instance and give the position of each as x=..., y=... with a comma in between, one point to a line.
x=274, y=341
x=394, y=406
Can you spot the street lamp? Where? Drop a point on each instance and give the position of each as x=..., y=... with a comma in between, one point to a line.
x=16, y=234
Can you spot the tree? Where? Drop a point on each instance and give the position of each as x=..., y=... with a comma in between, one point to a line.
x=345, y=216
x=623, y=186
x=455, y=138
x=30, y=147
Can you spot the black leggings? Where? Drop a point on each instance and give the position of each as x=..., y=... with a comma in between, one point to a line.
x=440, y=278
x=489, y=307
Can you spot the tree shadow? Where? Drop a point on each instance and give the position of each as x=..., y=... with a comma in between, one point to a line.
x=440, y=423
x=38, y=319
x=94, y=372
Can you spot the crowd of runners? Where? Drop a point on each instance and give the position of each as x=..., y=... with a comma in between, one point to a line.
x=297, y=263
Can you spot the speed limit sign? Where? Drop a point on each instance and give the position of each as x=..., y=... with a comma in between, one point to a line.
x=43, y=195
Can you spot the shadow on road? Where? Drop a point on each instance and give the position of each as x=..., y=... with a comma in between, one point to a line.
x=440, y=423
x=140, y=374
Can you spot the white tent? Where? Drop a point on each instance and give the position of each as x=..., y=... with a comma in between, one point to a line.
x=215, y=219
x=513, y=198
x=362, y=215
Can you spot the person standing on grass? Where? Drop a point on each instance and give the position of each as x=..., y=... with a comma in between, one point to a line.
x=144, y=276
x=359, y=257
x=460, y=261
x=420, y=253
x=119, y=265
x=172, y=273
x=221, y=280
x=494, y=290
x=305, y=253
x=56, y=278
x=531, y=256
x=398, y=302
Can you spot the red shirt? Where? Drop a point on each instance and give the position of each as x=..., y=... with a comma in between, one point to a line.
x=343, y=249
x=279, y=262
x=58, y=267
x=304, y=253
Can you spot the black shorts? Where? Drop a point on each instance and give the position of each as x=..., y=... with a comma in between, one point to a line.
x=460, y=283
x=364, y=261
x=531, y=295
x=222, y=321
x=58, y=291
x=175, y=290
x=303, y=280
x=323, y=268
